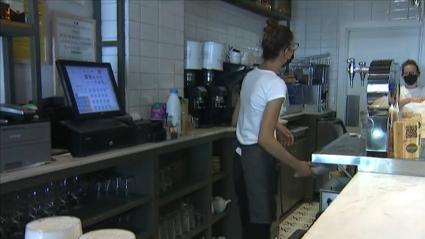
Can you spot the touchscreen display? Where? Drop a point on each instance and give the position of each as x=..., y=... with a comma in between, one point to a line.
x=92, y=89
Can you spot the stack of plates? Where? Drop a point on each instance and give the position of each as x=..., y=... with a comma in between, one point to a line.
x=215, y=164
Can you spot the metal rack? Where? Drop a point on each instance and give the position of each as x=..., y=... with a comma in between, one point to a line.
x=11, y=29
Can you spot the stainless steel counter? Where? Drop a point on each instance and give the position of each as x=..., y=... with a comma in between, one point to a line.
x=350, y=150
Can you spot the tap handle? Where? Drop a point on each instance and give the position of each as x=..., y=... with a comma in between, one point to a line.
x=362, y=64
x=351, y=60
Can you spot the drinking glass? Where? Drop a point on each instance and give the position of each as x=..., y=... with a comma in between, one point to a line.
x=107, y=186
x=171, y=227
x=64, y=195
x=178, y=223
x=98, y=190
x=168, y=178
x=76, y=191
x=163, y=232
x=35, y=209
x=129, y=186
x=162, y=181
x=50, y=200
x=117, y=184
x=200, y=218
x=185, y=217
x=192, y=220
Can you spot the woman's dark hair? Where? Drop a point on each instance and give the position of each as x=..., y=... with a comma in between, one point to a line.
x=276, y=38
x=410, y=63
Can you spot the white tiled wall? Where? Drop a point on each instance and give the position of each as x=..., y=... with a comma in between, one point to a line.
x=155, y=34
x=155, y=52
x=218, y=21
x=316, y=25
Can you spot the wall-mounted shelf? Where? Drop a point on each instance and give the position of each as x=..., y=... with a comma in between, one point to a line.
x=15, y=29
x=259, y=9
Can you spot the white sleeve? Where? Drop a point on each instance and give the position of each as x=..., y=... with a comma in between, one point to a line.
x=402, y=93
x=276, y=89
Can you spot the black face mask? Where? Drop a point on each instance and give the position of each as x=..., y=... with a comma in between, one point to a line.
x=289, y=61
x=410, y=79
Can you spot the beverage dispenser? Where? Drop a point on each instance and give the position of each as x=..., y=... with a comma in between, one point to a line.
x=383, y=81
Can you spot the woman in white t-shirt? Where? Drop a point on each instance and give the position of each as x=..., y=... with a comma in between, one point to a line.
x=411, y=92
x=261, y=98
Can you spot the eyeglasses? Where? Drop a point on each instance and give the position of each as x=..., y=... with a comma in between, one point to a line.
x=296, y=45
x=410, y=72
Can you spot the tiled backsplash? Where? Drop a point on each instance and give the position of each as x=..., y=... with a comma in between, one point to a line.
x=222, y=22
x=155, y=52
x=316, y=25
x=156, y=31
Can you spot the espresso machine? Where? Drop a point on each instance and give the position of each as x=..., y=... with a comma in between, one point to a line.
x=382, y=81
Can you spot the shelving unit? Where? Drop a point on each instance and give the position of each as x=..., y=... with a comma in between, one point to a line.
x=191, y=163
x=15, y=29
x=92, y=214
x=11, y=29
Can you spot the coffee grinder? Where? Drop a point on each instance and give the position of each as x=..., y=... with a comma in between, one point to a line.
x=214, y=104
x=231, y=79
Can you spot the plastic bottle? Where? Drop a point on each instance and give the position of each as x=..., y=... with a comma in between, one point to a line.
x=174, y=111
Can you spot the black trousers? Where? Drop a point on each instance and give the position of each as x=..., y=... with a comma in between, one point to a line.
x=249, y=230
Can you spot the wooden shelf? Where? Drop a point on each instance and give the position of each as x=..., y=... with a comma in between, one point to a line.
x=218, y=176
x=218, y=217
x=181, y=191
x=259, y=9
x=12, y=28
x=195, y=232
x=94, y=213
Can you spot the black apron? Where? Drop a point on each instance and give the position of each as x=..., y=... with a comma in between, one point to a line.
x=260, y=171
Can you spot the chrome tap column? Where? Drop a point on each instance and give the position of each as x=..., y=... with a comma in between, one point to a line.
x=382, y=91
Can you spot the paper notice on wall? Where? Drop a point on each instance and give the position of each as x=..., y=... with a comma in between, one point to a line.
x=74, y=38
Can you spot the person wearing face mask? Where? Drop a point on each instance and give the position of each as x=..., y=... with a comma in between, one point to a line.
x=256, y=118
x=411, y=92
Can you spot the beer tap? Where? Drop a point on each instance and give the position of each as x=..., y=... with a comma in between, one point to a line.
x=363, y=70
x=351, y=70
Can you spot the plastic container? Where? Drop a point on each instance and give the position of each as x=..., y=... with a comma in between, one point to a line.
x=193, y=55
x=213, y=54
x=174, y=112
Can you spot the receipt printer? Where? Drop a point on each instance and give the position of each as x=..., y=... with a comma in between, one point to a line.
x=23, y=143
